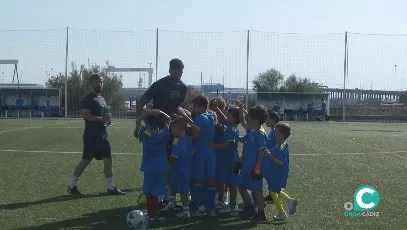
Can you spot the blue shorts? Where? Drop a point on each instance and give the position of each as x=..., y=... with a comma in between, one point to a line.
x=204, y=167
x=275, y=185
x=225, y=174
x=277, y=190
x=245, y=181
x=154, y=183
x=179, y=183
x=97, y=148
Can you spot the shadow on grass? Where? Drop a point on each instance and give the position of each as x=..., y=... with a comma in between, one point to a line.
x=56, y=199
x=115, y=219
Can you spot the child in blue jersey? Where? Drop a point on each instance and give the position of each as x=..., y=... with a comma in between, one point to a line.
x=271, y=122
x=249, y=178
x=276, y=173
x=204, y=158
x=153, y=135
x=229, y=155
x=180, y=165
x=218, y=106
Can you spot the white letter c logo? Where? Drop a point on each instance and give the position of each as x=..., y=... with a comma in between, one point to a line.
x=359, y=196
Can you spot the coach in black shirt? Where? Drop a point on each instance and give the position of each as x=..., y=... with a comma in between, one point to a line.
x=168, y=93
x=95, y=137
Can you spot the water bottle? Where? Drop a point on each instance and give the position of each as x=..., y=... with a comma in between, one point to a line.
x=107, y=112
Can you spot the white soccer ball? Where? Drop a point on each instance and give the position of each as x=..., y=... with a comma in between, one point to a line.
x=136, y=220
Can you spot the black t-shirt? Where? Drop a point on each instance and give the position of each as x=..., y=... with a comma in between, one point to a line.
x=97, y=106
x=167, y=95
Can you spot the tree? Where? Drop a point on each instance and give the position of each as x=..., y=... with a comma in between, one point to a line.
x=300, y=85
x=191, y=94
x=78, y=87
x=272, y=80
x=268, y=81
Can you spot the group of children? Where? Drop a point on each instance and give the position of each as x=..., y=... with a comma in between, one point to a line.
x=204, y=165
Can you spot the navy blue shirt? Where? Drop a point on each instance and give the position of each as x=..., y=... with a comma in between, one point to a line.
x=97, y=106
x=167, y=95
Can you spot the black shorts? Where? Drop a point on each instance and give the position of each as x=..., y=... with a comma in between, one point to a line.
x=97, y=148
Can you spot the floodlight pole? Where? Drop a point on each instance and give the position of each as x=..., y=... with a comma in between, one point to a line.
x=345, y=73
x=156, y=56
x=247, y=70
x=66, y=73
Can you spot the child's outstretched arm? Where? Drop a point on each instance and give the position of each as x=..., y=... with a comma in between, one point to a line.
x=195, y=129
x=223, y=145
x=166, y=117
x=271, y=156
x=219, y=113
x=242, y=114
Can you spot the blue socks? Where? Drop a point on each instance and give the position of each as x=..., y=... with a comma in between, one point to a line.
x=197, y=193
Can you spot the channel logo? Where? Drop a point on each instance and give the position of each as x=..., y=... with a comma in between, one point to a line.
x=365, y=199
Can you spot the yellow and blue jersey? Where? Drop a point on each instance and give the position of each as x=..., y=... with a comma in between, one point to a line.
x=182, y=150
x=154, y=149
x=276, y=175
x=254, y=142
x=206, y=124
x=229, y=134
x=271, y=140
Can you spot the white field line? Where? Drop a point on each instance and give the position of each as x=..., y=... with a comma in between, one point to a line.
x=294, y=154
x=35, y=127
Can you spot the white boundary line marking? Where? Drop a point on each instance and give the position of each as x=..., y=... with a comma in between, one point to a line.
x=35, y=127
x=294, y=154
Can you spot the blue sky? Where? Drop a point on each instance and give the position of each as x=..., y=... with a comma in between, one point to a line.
x=209, y=36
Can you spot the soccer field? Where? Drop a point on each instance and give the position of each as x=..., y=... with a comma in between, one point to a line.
x=329, y=161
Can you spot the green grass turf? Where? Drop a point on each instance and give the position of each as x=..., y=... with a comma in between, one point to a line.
x=327, y=165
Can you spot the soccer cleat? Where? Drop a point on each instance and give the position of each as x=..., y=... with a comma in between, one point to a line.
x=212, y=213
x=169, y=207
x=292, y=206
x=280, y=217
x=115, y=192
x=221, y=204
x=164, y=202
x=260, y=217
x=248, y=213
x=184, y=214
x=197, y=213
x=156, y=218
x=202, y=208
x=228, y=209
x=74, y=191
x=268, y=198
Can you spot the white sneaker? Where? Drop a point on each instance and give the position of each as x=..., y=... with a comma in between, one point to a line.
x=227, y=209
x=197, y=213
x=202, y=208
x=292, y=206
x=184, y=214
x=221, y=204
x=280, y=217
x=169, y=207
